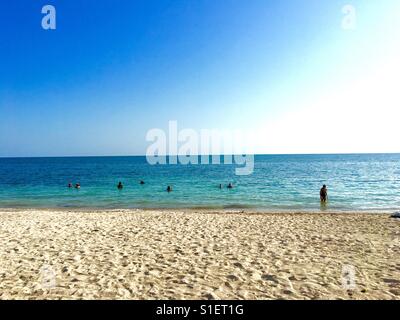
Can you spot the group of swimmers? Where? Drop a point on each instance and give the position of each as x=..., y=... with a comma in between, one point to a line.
x=169, y=188
x=323, y=193
x=120, y=186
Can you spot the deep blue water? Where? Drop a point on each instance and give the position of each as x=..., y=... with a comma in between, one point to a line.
x=285, y=182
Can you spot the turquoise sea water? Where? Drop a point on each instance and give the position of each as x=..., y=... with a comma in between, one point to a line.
x=279, y=182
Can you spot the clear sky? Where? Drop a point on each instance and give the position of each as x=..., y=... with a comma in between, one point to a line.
x=112, y=70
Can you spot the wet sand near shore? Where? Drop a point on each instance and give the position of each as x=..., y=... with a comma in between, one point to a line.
x=197, y=254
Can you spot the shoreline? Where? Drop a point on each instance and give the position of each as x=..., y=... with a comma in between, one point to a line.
x=197, y=254
x=234, y=210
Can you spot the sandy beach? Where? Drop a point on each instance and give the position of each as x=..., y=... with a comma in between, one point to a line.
x=167, y=254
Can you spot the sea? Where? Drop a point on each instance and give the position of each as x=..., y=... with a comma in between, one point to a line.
x=356, y=182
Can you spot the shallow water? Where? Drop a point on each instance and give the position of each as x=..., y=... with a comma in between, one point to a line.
x=279, y=182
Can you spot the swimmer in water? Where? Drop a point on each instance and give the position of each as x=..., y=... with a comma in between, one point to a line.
x=78, y=186
x=169, y=189
x=120, y=186
x=230, y=186
x=70, y=185
x=141, y=182
x=323, y=194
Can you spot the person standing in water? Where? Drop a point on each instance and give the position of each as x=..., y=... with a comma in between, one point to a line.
x=169, y=189
x=323, y=194
x=120, y=186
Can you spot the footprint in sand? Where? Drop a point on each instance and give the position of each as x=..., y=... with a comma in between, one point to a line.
x=268, y=277
x=238, y=265
x=232, y=277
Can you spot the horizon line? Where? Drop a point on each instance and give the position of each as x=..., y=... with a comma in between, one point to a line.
x=200, y=155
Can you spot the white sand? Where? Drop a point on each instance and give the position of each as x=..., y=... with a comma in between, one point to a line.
x=135, y=254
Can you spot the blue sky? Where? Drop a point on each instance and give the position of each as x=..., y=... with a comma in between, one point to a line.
x=112, y=70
